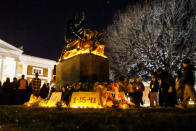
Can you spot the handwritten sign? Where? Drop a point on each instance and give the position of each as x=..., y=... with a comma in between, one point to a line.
x=54, y=99
x=84, y=100
x=114, y=95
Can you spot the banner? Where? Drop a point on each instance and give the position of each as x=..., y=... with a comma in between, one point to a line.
x=84, y=100
x=115, y=95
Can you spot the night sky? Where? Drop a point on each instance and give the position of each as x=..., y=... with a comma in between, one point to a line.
x=39, y=25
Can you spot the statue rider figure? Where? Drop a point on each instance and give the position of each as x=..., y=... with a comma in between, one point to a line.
x=80, y=38
x=75, y=30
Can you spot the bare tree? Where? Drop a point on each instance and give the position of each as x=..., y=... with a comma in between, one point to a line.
x=151, y=36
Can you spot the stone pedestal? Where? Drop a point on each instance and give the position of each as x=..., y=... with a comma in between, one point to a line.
x=82, y=68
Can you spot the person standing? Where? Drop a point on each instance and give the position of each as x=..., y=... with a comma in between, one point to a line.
x=167, y=93
x=179, y=87
x=44, y=91
x=22, y=89
x=35, y=85
x=188, y=79
x=154, y=87
x=14, y=96
x=7, y=92
x=131, y=90
x=139, y=89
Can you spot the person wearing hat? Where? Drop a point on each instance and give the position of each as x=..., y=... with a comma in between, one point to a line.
x=188, y=79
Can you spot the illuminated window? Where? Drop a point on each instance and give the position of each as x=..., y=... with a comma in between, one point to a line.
x=37, y=70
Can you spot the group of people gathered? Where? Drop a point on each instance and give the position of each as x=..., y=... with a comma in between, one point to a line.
x=165, y=90
x=168, y=91
x=19, y=91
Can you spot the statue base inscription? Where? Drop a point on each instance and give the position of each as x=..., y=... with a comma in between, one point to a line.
x=82, y=68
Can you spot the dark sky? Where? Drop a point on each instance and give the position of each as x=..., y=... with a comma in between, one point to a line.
x=39, y=25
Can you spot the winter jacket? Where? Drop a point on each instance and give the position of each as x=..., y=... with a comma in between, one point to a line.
x=188, y=76
x=154, y=86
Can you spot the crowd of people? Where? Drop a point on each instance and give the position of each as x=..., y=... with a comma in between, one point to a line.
x=165, y=90
x=19, y=91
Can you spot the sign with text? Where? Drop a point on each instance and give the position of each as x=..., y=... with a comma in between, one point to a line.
x=84, y=100
x=114, y=95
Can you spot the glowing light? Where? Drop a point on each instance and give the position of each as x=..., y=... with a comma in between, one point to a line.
x=99, y=51
x=191, y=102
x=9, y=68
x=52, y=102
x=123, y=106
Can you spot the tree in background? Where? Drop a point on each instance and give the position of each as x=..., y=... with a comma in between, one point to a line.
x=156, y=35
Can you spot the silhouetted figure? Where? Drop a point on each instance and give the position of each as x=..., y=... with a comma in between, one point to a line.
x=44, y=90
x=179, y=87
x=167, y=93
x=22, y=89
x=14, y=91
x=7, y=92
x=188, y=79
x=131, y=90
x=75, y=28
x=139, y=88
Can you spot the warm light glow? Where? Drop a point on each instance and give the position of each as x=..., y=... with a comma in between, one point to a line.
x=85, y=107
x=38, y=101
x=87, y=51
x=84, y=100
x=99, y=51
x=124, y=106
x=9, y=68
x=191, y=102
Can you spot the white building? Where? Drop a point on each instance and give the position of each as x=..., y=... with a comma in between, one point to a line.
x=13, y=63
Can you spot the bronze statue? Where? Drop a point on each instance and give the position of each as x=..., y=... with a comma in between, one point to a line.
x=79, y=38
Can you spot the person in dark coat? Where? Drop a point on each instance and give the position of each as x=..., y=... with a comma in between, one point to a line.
x=14, y=96
x=167, y=93
x=44, y=91
x=188, y=79
x=7, y=91
x=179, y=86
x=139, y=89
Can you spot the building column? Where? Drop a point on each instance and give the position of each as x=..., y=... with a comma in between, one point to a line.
x=1, y=70
x=16, y=69
x=24, y=69
x=49, y=74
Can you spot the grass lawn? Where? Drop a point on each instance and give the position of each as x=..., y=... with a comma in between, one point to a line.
x=16, y=118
